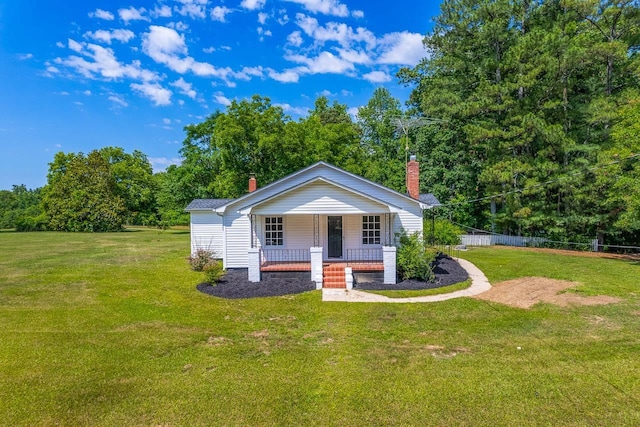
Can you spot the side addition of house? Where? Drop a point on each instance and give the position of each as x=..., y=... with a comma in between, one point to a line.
x=321, y=220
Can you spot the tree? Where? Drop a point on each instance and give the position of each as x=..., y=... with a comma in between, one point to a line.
x=135, y=185
x=380, y=141
x=529, y=92
x=82, y=194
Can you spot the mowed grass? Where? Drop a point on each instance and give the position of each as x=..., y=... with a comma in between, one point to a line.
x=108, y=329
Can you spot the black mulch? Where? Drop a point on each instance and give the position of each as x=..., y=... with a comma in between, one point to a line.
x=235, y=283
x=447, y=271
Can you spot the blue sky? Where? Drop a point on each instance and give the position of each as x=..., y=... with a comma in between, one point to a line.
x=80, y=75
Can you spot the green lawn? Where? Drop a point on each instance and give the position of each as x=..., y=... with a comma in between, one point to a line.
x=108, y=329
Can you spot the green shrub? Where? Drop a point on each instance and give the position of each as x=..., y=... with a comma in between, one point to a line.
x=213, y=271
x=200, y=258
x=445, y=232
x=414, y=260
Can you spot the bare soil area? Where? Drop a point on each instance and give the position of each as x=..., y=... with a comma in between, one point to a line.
x=525, y=292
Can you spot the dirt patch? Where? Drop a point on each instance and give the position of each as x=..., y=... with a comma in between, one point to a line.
x=525, y=292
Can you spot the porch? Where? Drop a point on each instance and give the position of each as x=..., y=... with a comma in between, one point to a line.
x=328, y=273
x=282, y=260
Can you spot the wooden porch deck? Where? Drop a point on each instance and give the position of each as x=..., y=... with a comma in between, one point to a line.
x=306, y=266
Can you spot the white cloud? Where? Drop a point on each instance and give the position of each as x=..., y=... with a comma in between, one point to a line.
x=25, y=56
x=60, y=44
x=219, y=13
x=165, y=46
x=193, y=8
x=357, y=14
x=163, y=12
x=132, y=14
x=403, y=48
x=159, y=164
x=102, y=14
x=253, y=4
x=377, y=77
x=87, y=92
x=283, y=18
x=298, y=111
x=325, y=62
x=75, y=46
x=262, y=17
x=185, y=88
x=117, y=99
x=178, y=26
x=287, y=76
x=221, y=99
x=153, y=91
x=102, y=62
x=248, y=72
x=336, y=32
x=295, y=39
x=354, y=56
x=327, y=93
x=326, y=7
x=107, y=36
x=166, y=121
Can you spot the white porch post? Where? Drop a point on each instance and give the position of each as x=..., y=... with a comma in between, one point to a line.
x=389, y=261
x=254, y=264
x=316, y=266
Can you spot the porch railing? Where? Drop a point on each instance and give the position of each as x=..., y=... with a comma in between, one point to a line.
x=274, y=256
x=355, y=256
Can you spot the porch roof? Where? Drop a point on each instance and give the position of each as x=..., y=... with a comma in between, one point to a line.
x=358, y=202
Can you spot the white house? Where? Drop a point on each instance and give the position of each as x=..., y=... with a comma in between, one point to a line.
x=322, y=220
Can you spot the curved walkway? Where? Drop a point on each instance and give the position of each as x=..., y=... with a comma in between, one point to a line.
x=479, y=284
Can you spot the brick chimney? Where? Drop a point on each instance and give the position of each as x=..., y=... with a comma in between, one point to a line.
x=413, y=178
x=253, y=184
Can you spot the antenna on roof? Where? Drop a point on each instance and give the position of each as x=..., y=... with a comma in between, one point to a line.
x=405, y=124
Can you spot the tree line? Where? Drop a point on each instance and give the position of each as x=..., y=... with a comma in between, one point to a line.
x=530, y=124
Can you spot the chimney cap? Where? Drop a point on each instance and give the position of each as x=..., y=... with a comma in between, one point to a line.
x=412, y=158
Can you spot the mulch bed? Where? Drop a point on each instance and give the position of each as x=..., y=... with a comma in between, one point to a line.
x=447, y=271
x=235, y=283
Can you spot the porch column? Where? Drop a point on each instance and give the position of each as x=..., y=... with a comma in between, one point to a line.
x=254, y=264
x=389, y=261
x=316, y=266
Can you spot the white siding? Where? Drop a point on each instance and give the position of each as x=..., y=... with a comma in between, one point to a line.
x=206, y=232
x=298, y=232
x=320, y=198
x=411, y=222
x=237, y=229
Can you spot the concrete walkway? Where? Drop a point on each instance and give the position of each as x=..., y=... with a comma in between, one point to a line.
x=479, y=284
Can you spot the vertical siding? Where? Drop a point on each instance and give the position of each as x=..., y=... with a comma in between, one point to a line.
x=206, y=232
x=237, y=229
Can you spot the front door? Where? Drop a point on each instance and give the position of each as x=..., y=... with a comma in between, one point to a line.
x=334, y=231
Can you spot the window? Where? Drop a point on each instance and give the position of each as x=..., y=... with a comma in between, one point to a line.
x=273, y=231
x=371, y=230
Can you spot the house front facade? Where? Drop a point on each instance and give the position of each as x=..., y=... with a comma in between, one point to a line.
x=321, y=220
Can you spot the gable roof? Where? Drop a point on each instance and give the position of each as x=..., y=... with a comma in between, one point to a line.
x=206, y=204
x=247, y=209
x=267, y=189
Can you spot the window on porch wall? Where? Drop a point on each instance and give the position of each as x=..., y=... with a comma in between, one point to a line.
x=273, y=231
x=371, y=230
